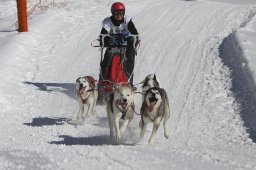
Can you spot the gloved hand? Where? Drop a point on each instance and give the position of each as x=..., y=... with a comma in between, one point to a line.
x=106, y=41
x=125, y=34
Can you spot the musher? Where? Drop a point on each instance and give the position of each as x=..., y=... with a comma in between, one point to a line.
x=119, y=23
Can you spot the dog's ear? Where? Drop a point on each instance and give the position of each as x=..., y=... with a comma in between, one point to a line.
x=77, y=83
x=156, y=82
x=143, y=82
x=90, y=82
x=162, y=93
x=77, y=80
x=117, y=86
x=146, y=79
x=130, y=85
x=154, y=77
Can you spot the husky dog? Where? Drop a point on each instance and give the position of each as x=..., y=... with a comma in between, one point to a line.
x=149, y=82
x=155, y=107
x=86, y=95
x=120, y=109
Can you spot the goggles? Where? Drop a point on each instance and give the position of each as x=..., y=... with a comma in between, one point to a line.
x=118, y=12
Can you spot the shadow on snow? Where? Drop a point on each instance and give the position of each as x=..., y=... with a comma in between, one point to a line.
x=47, y=121
x=66, y=88
x=92, y=141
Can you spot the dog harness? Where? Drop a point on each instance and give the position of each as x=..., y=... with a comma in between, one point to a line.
x=147, y=109
x=92, y=86
x=123, y=105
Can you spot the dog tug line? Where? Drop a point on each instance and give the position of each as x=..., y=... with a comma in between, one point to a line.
x=122, y=105
x=119, y=103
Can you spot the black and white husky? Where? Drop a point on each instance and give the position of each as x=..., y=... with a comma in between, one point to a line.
x=86, y=95
x=120, y=109
x=155, y=108
x=149, y=82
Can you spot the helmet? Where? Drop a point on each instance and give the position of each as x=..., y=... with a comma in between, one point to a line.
x=117, y=6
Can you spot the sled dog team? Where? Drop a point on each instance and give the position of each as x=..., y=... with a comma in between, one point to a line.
x=120, y=105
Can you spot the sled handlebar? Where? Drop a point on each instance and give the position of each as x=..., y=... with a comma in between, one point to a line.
x=103, y=36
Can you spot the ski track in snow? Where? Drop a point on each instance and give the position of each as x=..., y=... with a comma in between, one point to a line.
x=184, y=55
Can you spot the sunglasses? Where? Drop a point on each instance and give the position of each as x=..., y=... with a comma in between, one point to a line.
x=120, y=12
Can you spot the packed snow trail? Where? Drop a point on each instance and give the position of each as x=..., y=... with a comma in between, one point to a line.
x=185, y=54
x=180, y=41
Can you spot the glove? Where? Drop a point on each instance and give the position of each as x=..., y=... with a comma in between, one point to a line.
x=125, y=34
x=107, y=41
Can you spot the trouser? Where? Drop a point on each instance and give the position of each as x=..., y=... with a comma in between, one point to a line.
x=128, y=64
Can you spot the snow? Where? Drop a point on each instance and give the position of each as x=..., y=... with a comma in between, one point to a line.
x=202, y=52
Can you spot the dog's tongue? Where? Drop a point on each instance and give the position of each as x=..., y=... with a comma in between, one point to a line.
x=82, y=91
x=124, y=105
x=151, y=107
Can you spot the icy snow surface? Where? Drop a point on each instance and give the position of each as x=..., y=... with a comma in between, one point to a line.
x=202, y=52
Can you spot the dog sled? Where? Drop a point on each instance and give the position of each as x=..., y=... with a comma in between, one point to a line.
x=116, y=72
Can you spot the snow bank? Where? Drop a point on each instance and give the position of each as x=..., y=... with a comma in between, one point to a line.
x=243, y=85
x=237, y=53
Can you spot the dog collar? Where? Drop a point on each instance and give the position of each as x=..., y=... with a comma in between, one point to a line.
x=123, y=109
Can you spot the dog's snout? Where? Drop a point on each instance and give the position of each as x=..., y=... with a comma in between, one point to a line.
x=153, y=94
x=81, y=86
x=124, y=100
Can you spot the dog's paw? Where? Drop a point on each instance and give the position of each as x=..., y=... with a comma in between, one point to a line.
x=151, y=142
x=79, y=122
x=166, y=133
x=118, y=137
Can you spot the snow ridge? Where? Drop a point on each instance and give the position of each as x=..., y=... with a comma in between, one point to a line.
x=243, y=83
